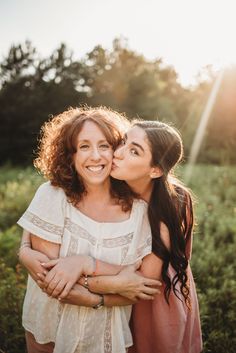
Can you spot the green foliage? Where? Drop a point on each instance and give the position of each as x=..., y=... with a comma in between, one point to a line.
x=213, y=261
x=12, y=291
x=32, y=89
x=16, y=190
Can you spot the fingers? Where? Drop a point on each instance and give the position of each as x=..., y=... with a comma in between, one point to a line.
x=40, y=284
x=144, y=296
x=152, y=282
x=58, y=289
x=66, y=290
x=151, y=291
x=50, y=263
x=53, y=285
x=49, y=277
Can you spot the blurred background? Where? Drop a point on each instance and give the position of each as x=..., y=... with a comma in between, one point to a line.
x=154, y=59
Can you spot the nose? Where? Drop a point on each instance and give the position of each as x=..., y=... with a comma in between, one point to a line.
x=119, y=152
x=95, y=154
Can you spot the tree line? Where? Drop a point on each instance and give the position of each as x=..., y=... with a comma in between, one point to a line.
x=32, y=89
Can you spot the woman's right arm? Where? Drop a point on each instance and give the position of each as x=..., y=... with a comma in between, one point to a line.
x=34, y=251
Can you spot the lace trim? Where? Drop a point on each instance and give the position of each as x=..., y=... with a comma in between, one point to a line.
x=124, y=252
x=81, y=232
x=73, y=246
x=106, y=243
x=118, y=241
x=38, y=222
x=129, y=259
x=107, y=333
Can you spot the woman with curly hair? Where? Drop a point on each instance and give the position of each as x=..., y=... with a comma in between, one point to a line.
x=80, y=210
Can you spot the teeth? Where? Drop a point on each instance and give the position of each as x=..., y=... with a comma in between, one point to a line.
x=95, y=168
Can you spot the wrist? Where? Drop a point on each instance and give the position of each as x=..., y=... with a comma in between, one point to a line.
x=99, y=302
x=89, y=265
x=22, y=251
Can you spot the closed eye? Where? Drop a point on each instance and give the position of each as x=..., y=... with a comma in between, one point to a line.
x=134, y=151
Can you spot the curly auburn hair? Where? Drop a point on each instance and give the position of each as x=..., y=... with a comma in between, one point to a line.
x=58, y=144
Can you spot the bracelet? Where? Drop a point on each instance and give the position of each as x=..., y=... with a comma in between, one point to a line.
x=86, y=285
x=25, y=244
x=100, y=304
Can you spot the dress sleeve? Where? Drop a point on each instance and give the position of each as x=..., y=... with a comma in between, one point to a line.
x=142, y=238
x=46, y=213
x=144, y=246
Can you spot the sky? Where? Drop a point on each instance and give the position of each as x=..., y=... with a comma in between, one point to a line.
x=187, y=34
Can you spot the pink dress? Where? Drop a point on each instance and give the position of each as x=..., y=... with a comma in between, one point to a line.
x=161, y=328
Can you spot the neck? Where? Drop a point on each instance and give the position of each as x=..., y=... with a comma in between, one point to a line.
x=98, y=193
x=143, y=188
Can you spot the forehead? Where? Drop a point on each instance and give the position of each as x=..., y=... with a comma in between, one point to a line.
x=91, y=131
x=138, y=135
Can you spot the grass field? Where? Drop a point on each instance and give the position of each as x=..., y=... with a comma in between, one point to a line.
x=213, y=260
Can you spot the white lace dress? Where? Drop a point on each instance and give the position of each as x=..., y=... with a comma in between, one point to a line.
x=77, y=328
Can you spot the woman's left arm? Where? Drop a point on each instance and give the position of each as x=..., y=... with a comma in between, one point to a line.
x=81, y=296
x=152, y=265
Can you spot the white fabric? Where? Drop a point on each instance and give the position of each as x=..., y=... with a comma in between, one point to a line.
x=77, y=329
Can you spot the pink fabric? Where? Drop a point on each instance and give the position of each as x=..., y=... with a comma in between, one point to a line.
x=161, y=328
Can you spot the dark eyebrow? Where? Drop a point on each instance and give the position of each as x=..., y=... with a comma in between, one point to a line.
x=138, y=145
x=134, y=143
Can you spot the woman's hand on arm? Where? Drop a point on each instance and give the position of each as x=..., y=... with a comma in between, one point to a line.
x=67, y=271
x=34, y=251
x=81, y=296
x=128, y=283
x=64, y=273
x=32, y=260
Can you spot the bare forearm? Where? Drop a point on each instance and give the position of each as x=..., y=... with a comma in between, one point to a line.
x=106, y=269
x=101, y=284
x=117, y=300
x=83, y=297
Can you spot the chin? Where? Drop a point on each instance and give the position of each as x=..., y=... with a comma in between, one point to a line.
x=115, y=175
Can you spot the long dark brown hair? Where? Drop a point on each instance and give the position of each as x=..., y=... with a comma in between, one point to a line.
x=170, y=203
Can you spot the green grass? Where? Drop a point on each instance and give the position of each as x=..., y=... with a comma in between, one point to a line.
x=213, y=260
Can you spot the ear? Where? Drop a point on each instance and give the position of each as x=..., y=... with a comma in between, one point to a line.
x=155, y=172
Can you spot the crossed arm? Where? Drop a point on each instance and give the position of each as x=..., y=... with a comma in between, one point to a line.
x=59, y=277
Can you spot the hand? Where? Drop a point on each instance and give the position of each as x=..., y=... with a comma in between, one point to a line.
x=133, y=285
x=64, y=273
x=32, y=260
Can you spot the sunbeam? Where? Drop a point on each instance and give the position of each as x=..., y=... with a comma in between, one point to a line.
x=195, y=148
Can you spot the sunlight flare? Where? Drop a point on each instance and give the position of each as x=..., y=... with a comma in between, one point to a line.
x=197, y=142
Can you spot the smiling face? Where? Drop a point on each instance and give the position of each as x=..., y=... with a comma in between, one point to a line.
x=93, y=156
x=132, y=160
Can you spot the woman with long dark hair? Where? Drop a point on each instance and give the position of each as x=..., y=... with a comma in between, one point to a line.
x=170, y=323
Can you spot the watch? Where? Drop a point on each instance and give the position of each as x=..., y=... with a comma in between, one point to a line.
x=100, y=304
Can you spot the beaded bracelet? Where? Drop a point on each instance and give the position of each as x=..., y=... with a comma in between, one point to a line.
x=86, y=285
